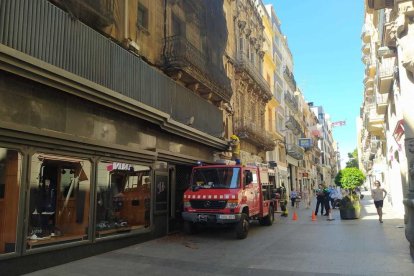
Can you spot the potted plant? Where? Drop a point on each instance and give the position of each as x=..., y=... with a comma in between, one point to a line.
x=349, y=179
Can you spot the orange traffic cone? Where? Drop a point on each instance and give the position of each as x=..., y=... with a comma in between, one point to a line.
x=295, y=216
x=313, y=216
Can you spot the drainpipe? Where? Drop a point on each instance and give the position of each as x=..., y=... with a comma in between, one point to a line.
x=405, y=40
x=126, y=19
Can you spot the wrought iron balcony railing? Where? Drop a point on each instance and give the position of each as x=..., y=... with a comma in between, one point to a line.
x=181, y=54
x=290, y=78
x=291, y=101
x=96, y=13
x=243, y=64
x=295, y=151
x=293, y=125
x=255, y=134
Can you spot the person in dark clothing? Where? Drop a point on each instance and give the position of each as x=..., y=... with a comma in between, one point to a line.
x=320, y=199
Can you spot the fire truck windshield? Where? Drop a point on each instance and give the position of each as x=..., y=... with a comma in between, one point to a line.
x=216, y=178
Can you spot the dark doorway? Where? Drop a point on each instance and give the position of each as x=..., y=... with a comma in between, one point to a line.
x=179, y=181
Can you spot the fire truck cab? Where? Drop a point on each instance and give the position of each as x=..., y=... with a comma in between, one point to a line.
x=229, y=194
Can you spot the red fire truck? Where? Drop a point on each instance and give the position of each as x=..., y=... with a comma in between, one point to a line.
x=229, y=195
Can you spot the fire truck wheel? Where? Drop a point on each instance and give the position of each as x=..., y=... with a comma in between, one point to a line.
x=270, y=218
x=242, y=227
x=189, y=228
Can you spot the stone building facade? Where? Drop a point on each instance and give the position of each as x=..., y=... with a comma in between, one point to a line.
x=387, y=115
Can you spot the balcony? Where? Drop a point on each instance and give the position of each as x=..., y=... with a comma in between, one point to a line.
x=366, y=48
x=293, y=125
x=381, y=103
x=380, y=4
x=183, y=57
x=254, y=134
x=365, y=58
x=375, y=121
x=291, y=101
x=386, y=70
x=390, y=36
x=290, y=78
x=367, y=32
x=374, y=145
x=369, y=90
x=295, y=151
x=248, y=71
x=371, y=68
x=368, y=81
x=96, y=13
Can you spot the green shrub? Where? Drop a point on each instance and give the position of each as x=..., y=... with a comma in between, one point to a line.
x=349, y=178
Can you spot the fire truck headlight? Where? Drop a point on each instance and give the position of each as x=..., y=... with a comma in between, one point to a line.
x=187, y=204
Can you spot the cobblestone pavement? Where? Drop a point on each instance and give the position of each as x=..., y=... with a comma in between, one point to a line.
x=302, y=247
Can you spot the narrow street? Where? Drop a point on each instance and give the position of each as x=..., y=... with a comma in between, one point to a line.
x=302, y=247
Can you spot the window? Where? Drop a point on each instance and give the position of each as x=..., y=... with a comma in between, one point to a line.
x=123, y=198
x=59, y=200
x=10, y=172
x=142, y=20
x=217, y=178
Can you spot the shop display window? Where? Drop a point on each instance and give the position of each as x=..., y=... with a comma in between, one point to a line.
x=123, y=201
x=10, y=173
x=59, y=200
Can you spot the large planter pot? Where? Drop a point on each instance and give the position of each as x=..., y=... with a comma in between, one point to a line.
x=350, y=213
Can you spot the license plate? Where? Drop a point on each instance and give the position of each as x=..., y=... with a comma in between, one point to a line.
x=202, y=217
x=227, y=216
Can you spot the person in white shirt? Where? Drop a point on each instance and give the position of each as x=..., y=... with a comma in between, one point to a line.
x=378, y=194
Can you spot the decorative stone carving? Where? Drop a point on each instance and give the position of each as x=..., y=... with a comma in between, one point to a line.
x=242, y=24
x=253, y=40
x=248, y=32
x=261, y=54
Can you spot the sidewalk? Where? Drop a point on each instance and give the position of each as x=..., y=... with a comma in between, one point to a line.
x=368, y=212
x=303, y=247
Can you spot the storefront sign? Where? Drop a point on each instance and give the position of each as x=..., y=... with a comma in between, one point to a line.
x=305, y=143
x=119, y=166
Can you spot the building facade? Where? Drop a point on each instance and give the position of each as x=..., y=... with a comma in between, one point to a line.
x=251, y=90
x=386, y=114
x=279, y=154
x=105, y=107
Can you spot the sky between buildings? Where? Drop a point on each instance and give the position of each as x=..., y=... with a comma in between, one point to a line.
x=324, y=37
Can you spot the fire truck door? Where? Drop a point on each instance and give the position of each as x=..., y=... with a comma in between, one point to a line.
x=256, y=194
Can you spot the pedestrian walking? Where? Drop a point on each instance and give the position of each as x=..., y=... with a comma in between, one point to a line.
x=293, y=197
x=378, y=194
x=320, y=199
x=333, y=196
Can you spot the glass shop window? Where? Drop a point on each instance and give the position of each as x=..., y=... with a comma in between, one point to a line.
x=123, y=198
x=10, y=172
x=59, y=200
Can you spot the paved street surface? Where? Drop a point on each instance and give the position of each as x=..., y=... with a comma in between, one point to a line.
x=302, y=247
